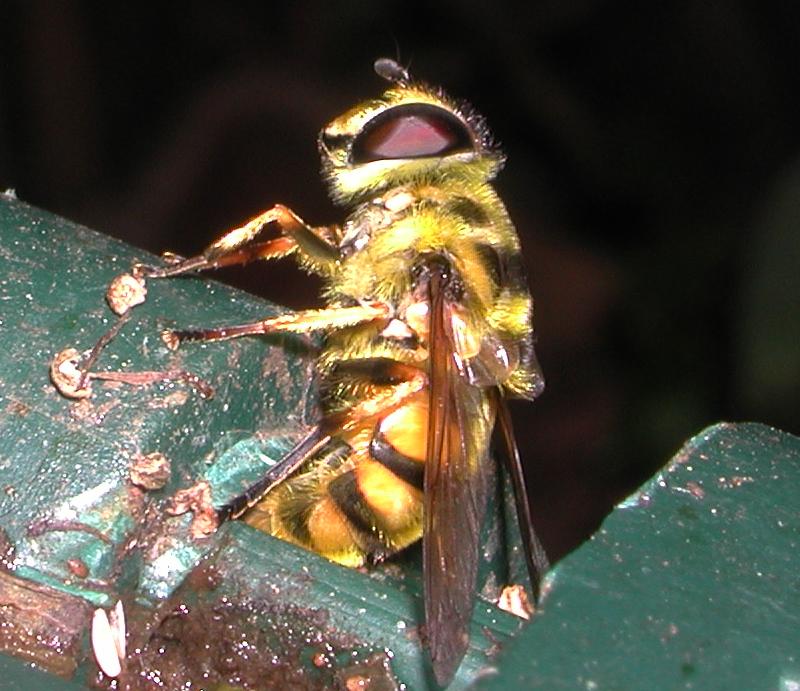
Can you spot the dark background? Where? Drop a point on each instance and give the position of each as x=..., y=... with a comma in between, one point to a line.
x=653, y=176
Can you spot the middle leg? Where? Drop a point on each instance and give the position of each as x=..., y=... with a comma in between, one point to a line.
x=298, y=322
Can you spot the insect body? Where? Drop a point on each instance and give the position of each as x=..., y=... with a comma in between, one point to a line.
x=427, y=330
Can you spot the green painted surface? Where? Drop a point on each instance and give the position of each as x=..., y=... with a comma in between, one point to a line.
x=19, y=676
x=693, y=583
x=64, y=464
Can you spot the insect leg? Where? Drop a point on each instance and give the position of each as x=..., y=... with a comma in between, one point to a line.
x=297, y=322
x=271, y=249
x=535, y=556
x=401, y=381
x=237, y=246
x=303, y=450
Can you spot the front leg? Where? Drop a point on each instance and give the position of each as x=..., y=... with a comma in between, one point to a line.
x=316, y=246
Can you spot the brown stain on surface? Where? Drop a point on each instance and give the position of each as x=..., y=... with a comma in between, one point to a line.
x=41, y=625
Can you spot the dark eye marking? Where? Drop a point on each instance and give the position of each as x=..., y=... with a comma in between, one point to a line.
x=415, y=130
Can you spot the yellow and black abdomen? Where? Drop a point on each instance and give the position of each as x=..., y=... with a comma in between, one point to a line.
x=359, y=499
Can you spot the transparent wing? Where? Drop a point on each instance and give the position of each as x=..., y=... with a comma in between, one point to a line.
x=457, y=478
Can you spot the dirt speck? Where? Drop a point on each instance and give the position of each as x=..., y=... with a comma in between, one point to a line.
x=124, y=292
x=150, y=471
x=7, y=551
x=196, y=499
x=77, y=567
x=373, y=674
x=17, y=408
x=66, y=375
x=734, y=481
x=173, y=400
x=695, y=490
x=514, y=600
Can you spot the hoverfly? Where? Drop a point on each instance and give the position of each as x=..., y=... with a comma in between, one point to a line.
x=427, y=330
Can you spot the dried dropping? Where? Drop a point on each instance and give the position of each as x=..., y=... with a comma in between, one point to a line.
x=125, y=292
x=150, y=471
x=514, y=600
x=67, y=375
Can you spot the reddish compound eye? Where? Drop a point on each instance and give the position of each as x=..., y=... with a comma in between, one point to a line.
x=411, y=131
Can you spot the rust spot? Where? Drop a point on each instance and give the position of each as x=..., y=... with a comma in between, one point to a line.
x=321, y=660
x=204, y=578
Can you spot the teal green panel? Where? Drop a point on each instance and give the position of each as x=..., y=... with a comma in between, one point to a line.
x=693, y=583
x=20, y=676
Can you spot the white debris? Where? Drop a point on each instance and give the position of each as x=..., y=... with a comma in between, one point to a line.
x=104, y=645
x=117, y=619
